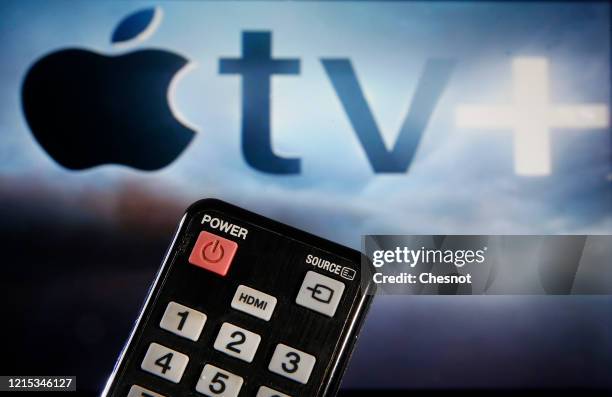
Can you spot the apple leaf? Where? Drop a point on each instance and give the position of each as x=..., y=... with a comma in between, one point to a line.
x=133, y=25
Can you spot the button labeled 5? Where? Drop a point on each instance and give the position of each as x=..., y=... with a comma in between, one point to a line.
x=183, y=321
x=217, y=382
x=292, y=363
x=237, y=342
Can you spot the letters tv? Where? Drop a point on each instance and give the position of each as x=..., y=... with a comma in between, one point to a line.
x=256, y=66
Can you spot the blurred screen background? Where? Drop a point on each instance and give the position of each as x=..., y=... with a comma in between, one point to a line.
x=81, y=247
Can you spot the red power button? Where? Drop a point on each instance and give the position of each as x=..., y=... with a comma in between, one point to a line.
x=213, y=253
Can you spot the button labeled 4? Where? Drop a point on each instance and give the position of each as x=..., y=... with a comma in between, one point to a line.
x=165, y=363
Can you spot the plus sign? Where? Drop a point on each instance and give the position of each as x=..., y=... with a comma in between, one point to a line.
x=531, y=116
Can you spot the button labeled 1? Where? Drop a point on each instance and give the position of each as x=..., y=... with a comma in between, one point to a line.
x=237, y=342
x=320, y=293
x=292, y=363
x=215, y=382
x=183, y=321
x=165, y=363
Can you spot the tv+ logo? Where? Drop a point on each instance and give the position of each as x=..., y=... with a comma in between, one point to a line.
x=87, y=109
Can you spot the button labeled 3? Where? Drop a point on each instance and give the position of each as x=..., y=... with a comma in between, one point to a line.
x=320, y=293
x=292, y=363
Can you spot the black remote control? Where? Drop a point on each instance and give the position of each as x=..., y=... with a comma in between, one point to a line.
x=244, y=306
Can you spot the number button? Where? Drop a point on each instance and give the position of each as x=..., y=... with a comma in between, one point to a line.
x=165, y=363
x=292, y=363
x=139, y=391
x=183, y=321
x=217, y=382
x=267, y=392
x=237, y=342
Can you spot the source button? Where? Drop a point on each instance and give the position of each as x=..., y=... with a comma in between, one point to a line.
x=320, y=293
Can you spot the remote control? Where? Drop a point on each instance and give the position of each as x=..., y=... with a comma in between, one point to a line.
x=244, y=306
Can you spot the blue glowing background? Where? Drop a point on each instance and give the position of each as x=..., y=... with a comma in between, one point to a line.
x=460, y=181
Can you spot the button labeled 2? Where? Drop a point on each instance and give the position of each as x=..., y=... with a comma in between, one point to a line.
x=292, y=363
x=183, y=321
x=237, y=342
x=165, y=363
x=215, y=381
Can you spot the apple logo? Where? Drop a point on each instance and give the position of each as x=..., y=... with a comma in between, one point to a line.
x=87, y=109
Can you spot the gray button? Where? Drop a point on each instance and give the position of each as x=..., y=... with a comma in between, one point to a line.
x=320, y=293
x=254, y=302
x=292, y=363
x=139, y=391
x=237, y=342
x=216, y=382
x=183, y=321
x=165, y=363
x=267, y=392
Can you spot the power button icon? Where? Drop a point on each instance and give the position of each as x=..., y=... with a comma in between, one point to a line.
x=212, y=252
